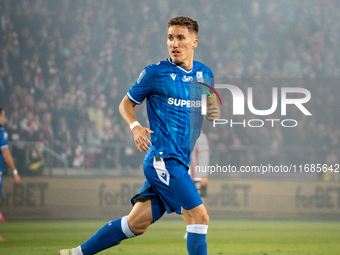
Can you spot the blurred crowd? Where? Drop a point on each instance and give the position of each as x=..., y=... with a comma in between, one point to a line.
x=65, y=66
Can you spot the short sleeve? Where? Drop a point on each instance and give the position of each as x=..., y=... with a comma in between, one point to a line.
x=143, y=87
x=3, y=139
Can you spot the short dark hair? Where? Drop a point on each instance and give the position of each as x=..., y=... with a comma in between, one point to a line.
x=1, y=109
x=191, y=24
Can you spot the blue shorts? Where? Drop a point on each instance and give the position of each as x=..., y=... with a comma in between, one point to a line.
x=169, y=186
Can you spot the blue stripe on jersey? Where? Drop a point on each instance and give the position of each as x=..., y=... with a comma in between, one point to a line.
x=167, y=90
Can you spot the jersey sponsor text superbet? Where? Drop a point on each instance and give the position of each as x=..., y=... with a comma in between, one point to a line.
x=183, y=103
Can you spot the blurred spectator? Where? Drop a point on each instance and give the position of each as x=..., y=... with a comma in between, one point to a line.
x=62, y=141
x=45, y=130
x=96, y=113
x=27, y=127
x=109, y=155
x=79, y=143
x=36, y=163
x=94, y=149
x=13, y=125
x=57, y=112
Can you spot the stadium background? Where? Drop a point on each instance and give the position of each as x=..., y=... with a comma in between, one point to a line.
x=66, y=65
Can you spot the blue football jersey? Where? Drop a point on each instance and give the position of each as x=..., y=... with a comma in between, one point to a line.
x=173, y=105
x=3, y=143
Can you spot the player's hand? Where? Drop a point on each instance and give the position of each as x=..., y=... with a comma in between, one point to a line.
x=140, y=138
x=213, y=111
x=17, y=179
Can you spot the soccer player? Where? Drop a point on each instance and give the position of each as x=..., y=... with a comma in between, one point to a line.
x=168, y=188
x=6, y=155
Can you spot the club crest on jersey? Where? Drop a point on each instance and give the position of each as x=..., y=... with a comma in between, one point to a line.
x=173, y=76
x=199, y=76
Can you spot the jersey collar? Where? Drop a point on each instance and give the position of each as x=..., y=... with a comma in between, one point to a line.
x=183, y=69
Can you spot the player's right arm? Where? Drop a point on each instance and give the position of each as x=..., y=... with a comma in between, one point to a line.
x=127, y=110
x=10, y=162
x=140, y=90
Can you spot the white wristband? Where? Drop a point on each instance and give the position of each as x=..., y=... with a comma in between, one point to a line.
x=134, y=124
x=15, y=172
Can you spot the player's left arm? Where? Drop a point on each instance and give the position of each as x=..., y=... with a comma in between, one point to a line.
x=213, y=110
x=10, y=162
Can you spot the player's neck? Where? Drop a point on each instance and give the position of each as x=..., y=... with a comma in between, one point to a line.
x=185, y=64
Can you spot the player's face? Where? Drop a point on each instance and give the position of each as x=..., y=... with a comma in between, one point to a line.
x=181, y=44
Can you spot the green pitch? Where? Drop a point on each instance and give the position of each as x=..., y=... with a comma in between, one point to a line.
x=166, y=237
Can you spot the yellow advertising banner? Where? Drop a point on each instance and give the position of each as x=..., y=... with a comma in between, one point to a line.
x=108, y=198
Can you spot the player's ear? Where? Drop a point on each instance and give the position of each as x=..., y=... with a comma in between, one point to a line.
x=195, y=43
